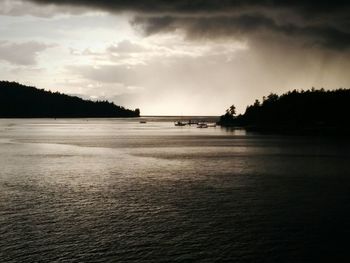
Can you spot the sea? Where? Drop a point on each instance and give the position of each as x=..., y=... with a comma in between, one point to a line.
x=117, y=190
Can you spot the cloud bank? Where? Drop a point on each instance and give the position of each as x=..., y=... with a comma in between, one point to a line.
x=21, y=53
x=322, y=24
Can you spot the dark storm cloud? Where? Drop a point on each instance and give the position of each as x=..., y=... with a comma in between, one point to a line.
x=195, y=6
x=319, y=23
x=244, y=25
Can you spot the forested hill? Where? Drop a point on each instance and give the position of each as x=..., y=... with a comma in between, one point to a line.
x=319, y=110
x=19, y=101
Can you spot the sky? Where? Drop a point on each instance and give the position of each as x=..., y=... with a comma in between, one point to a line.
x=175, y=57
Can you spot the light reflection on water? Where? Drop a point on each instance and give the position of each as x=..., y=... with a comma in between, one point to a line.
x=90, y=190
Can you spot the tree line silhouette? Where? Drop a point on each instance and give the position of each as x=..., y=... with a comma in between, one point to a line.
x=19, y=101
x=307, y=111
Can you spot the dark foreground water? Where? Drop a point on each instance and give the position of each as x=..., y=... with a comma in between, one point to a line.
x=121, y=191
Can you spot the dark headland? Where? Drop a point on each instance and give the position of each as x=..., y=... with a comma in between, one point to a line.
x=296, y=112
x=19, y=101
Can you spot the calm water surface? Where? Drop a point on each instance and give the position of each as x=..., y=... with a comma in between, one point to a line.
x=113, y=190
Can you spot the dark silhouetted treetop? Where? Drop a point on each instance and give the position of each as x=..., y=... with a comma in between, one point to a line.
x=229, y=115
x=19, y=101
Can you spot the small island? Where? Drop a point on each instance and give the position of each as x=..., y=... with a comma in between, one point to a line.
x=19, y=101
x=295, y=112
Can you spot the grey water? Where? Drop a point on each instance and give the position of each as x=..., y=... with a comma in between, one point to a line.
x=116, y=190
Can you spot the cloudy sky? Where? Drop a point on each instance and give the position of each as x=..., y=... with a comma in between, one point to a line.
x=175, y=57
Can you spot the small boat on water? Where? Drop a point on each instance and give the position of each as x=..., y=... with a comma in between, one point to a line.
x=212, y=125
x=143, y=121
x=192, y=122
x=179, y=123
x=202, y=125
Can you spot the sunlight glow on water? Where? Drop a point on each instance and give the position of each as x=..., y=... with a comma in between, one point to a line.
x=113, y=190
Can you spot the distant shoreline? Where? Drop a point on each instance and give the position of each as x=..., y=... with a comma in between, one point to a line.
x=182, y=116
x=20, y=101
x=295, y=112
x=60, y=118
